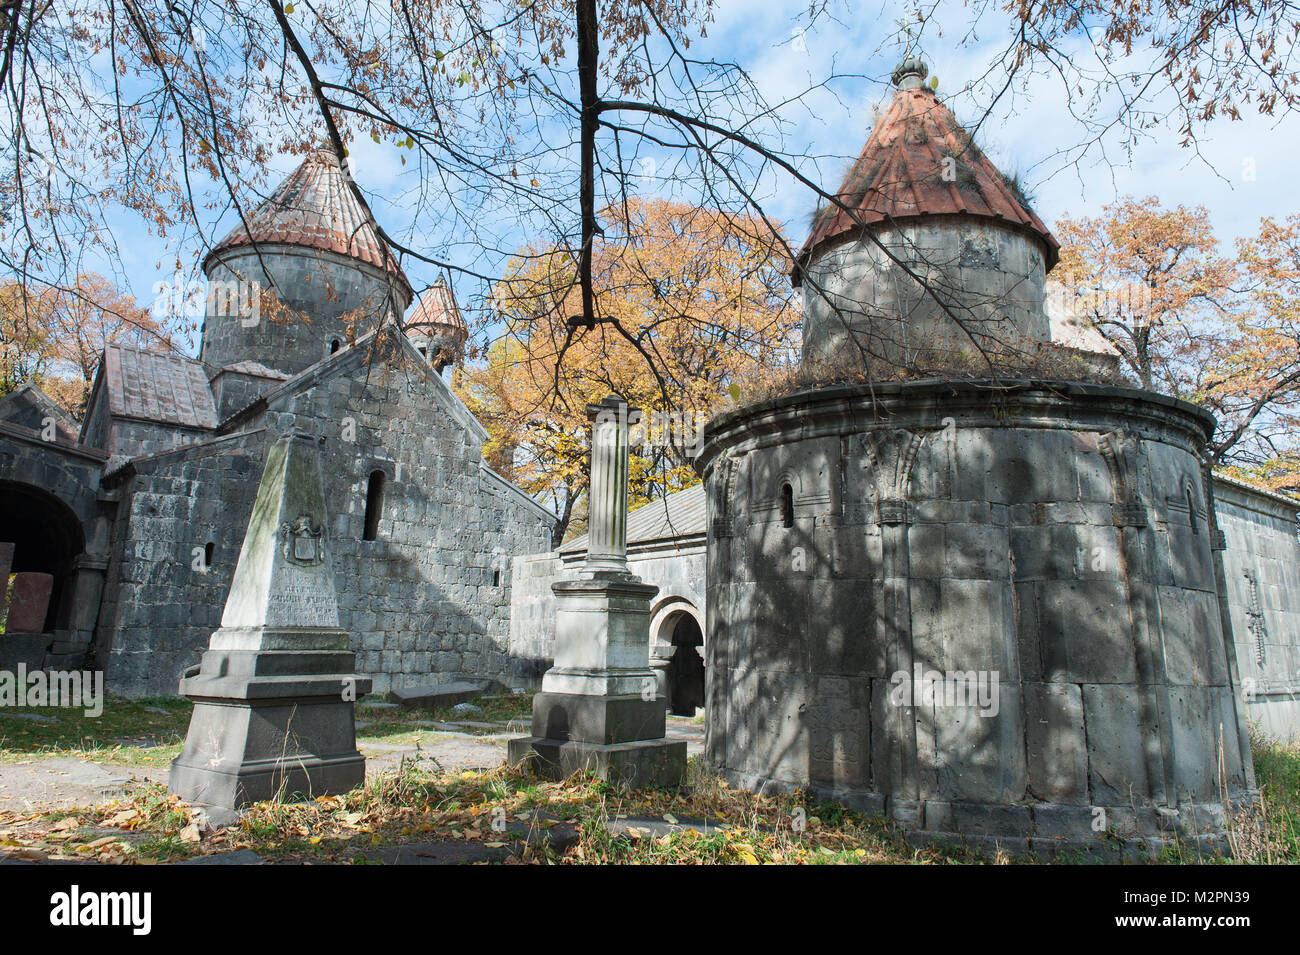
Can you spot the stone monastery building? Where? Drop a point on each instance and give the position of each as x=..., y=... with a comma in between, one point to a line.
x=443, y=568
x=139, y=516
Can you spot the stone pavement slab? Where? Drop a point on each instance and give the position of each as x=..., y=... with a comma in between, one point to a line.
x=65, y=781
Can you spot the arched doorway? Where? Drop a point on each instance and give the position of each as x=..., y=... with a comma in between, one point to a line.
x=677, y=641
x=47, y=538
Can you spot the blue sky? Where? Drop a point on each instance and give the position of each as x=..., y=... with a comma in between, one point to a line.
x=1243, y=172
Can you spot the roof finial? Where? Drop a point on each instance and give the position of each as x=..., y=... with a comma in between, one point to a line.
x=910, y=73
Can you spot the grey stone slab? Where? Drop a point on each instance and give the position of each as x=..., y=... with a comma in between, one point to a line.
x=970, y=752
x=32, y=717
x=597, y=719
x=23, y=649
x=1117, y=740
x=1083, y=632
x=29, y=602
x=657, y=827
x=1056, y=739
x=637, y=765
x=438, y=696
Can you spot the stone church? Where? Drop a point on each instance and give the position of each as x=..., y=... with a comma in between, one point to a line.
x=792, y=481
x=132, y=522
x=128, y=525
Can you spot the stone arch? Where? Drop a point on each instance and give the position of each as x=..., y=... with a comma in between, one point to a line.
x=669, y=605
x=677, y=637
x=794, y=479
x=48, y=538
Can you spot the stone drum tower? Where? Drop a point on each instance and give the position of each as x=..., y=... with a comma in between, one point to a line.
x=985, y=607
x=923, y=202
x=303, y=276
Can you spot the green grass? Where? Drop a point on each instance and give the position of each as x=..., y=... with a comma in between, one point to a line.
x=131, y=732
x=417, y=803
x=127, y=733
x=403, y=726
x=1277, y=770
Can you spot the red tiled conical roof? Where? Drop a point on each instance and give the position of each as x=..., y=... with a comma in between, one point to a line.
x=900, y=174
x=315, y=208
x=437, y=311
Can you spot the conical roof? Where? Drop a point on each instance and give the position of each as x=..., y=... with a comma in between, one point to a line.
x=919, y=161
x=316, y=208
x=437, y=310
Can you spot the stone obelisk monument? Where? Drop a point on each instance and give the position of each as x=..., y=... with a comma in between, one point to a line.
x=599, y=710
x=274, y=694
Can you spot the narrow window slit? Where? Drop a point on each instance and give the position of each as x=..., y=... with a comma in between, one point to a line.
x=374, y=505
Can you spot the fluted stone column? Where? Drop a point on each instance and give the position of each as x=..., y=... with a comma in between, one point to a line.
x=600, y=710
x=607, y=493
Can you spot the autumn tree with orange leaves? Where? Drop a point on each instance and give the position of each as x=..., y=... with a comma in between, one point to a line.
x=1187, y=320
x=54, y=337
x=1255, y=382
x=704, y=313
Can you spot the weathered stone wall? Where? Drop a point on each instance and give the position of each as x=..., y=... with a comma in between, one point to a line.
x=678, y=572
x=991, y=277
x=133, y=439
x=94, y=432
x=234, y=391
x=59, y=468
x=162, y=600
x=54, y=507
x=321, y=285
x=532, y=615
x=1262, y=570
x=1049, y=541
x=428, y=600
x=30, y=407
x=679, y=575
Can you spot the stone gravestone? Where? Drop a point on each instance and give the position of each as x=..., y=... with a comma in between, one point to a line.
x=599, y=710
x=30, y=602
x=274, y=694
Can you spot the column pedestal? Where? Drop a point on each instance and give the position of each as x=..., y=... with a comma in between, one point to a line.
x=600, y=710
x=270, y=721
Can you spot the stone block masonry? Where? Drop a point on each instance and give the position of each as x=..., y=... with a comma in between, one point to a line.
x=426, y=601
x=988, y=612
x=1262, y=575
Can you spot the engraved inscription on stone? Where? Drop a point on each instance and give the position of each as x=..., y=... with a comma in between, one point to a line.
x=301, y=602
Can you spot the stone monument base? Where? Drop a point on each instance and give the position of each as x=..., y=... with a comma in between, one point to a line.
x=637, y=764
x=28, y=649
x=262, y=728
x=599, y=711
x=598, y=719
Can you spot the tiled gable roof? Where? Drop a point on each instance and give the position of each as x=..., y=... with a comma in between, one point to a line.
x=169, y=389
